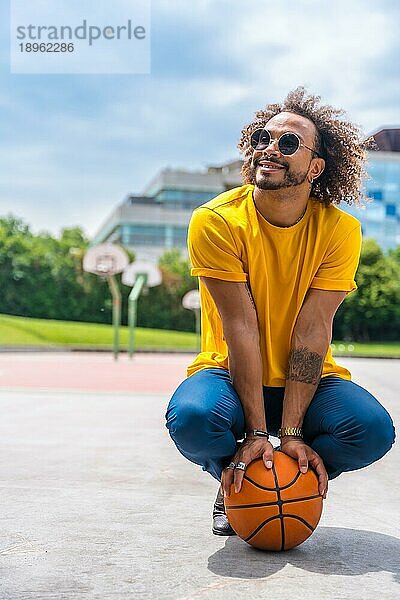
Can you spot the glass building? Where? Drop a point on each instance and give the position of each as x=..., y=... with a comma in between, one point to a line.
x=158, y=219
x=380, y=219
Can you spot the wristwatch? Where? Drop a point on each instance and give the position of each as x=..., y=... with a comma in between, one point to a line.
x=295, y=431
x=257, y=433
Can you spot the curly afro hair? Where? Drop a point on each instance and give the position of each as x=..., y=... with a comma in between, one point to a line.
x=338, y=141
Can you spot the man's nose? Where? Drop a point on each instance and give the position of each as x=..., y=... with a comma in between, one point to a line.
x=272, y=148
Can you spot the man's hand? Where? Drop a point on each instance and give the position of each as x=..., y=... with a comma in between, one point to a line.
x=251, y=448
x=297, y=449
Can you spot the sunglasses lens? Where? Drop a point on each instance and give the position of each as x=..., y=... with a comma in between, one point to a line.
x=260, y=139
x=288, y=144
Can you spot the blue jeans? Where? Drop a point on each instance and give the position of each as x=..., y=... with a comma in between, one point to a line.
x=344, y=423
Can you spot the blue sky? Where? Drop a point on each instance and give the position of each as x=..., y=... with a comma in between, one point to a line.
x=72, y=146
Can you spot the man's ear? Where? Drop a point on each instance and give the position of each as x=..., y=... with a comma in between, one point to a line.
x=316, y=168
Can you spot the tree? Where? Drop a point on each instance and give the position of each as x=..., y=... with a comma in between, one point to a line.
x=42, y=276
x=162, y=306
x=373, y=311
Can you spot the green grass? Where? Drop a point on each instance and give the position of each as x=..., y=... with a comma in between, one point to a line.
x=372, y=349
x=24, y=331
x=27, y=332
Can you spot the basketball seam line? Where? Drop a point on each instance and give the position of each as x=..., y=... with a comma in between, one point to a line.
x=278, y=491
x=237, y=506
x=280, y=517
x=284, y=487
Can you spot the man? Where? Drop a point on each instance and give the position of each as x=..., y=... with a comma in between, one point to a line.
x=275, y=259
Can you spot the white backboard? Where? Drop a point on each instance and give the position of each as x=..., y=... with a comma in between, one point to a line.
x=105, y=259
x=139, y=267
x=191, y=300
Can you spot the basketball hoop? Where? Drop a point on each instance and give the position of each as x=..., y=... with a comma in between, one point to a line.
x=140, y=275
x=106, y=260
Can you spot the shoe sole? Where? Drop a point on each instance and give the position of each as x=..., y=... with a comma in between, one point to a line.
x=217, y=532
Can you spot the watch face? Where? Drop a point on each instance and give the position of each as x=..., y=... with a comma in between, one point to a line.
x=259, y=433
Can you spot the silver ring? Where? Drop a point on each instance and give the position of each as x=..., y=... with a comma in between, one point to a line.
x=231, y=465
x=241, y=466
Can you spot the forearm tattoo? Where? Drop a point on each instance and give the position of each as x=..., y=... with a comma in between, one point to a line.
x=250, y=296
x=304, y=365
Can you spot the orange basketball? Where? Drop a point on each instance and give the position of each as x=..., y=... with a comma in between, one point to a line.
x=278, y=508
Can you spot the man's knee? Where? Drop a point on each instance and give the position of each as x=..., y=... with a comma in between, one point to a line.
x=381, y=433
x=188, y=424
x=370, y=436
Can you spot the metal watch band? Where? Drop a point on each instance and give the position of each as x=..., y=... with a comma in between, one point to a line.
x=257, y=433
x=296, y=431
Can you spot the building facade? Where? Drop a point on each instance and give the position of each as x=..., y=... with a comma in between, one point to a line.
x=158, y=219
x=380, y=219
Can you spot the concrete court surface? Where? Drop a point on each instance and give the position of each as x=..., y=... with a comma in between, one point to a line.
x=96, y=503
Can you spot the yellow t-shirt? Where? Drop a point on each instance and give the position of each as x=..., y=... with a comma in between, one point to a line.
x=229, y=239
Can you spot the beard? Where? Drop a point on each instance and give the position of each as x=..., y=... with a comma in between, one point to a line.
x=290, y=179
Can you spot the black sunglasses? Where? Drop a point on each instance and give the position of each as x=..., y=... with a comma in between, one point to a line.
x=288, y=143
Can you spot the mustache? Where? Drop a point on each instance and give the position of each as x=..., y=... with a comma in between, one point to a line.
x=271, y=160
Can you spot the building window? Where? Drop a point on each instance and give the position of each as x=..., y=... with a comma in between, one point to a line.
x=143, y=235
x=375, y=194
x=183, y=197
x=179, y=236
x=390, y=210
x=154, y=235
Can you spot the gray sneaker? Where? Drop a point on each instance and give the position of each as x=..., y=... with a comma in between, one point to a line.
x=220, y=520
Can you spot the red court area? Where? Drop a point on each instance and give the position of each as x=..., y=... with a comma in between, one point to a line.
x=153, y=373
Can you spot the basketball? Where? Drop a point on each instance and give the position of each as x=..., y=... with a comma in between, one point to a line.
x=278, y=508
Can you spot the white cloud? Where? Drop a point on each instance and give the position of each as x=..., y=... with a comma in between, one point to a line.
x=72, y=147
x=328, y=46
